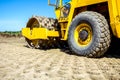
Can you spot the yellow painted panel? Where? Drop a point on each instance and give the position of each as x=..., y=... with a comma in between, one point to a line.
x=57, y=12
x=39, y=33
x=118, y=30
x=35, y=33
x=53, y=34
x=118, y=19
x=118, y=5
x=80, y=3
x=26, y=32
x=114, y=11
x=43, y=33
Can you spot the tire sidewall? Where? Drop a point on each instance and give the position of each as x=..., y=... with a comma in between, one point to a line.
x=89, y=19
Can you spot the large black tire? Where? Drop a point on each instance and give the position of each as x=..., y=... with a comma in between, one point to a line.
x=100, y=39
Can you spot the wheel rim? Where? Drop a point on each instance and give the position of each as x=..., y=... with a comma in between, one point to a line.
x=83, y=34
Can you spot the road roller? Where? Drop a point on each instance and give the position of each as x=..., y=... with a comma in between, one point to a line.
x=84, y=26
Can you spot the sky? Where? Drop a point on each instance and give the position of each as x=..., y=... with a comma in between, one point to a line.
x=14, y=14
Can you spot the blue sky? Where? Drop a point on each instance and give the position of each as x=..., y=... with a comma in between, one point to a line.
x=14, y=14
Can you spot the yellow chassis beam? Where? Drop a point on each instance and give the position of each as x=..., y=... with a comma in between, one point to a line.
x=39, y=33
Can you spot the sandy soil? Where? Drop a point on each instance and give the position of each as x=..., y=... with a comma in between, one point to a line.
x=18, y=62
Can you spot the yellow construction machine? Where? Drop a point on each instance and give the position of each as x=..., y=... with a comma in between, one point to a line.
x=86, y=25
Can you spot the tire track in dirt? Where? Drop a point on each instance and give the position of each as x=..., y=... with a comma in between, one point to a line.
x=93, y=70
x=79, y=69
x=108, y=71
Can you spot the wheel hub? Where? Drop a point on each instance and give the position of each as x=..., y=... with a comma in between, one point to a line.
x=83, y=35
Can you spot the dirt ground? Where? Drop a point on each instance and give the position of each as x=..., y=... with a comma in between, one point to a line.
x=17, y=62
